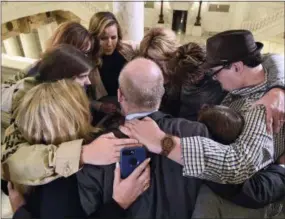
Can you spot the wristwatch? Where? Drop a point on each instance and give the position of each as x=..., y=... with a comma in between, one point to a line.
x=167, y=145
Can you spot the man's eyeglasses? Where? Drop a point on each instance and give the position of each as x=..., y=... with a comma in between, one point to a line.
x=212, y=73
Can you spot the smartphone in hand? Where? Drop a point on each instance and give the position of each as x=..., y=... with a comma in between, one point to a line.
x=130, y=158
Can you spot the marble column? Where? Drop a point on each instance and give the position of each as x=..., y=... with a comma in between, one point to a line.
x=130, y=15
x=12, y=46
x=240, y=13
x=45, y=32
x=30, y=45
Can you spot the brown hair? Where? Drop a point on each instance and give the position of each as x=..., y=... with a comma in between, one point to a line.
x=74, y=34
x=185, y=66
x=98, y=23
x=224, y=123
x=64, y=61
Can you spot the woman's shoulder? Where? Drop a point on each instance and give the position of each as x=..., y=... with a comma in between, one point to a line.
x=133, y=44
x=25, y=84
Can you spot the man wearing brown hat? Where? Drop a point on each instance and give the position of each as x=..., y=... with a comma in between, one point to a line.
x=234, y=59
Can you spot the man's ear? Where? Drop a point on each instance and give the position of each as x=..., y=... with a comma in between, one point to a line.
x=120, y=95
x=238, y=67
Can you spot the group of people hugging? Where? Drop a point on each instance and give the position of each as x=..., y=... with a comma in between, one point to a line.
x=211, y=119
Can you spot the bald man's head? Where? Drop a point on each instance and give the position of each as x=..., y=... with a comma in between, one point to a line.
x=141, y=83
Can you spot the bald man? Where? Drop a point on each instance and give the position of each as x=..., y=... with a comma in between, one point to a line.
x=140, y=87
x=170, y=195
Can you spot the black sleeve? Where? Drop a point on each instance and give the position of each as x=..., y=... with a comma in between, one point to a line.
x=184, y=128
x=189, y=128
x=109, y=210
x=265, y=187
x=22, y=213
x=90, y=188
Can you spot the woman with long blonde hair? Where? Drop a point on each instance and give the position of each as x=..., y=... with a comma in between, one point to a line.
x=52, y=113
x=66, y=157
x=160, y=45
x=57, y=112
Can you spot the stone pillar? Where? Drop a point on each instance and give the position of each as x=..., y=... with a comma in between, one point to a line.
x=240, y=14
x=130, y=15
x=45, y=32
x=13, y=46
x=30, y=45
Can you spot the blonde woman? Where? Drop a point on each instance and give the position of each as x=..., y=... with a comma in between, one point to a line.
x=43, y=111
x=160, y=45
x=114, y=54
x=41, y=162
x=52, y=113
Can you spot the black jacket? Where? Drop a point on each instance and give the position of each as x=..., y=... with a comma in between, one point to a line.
x=170, y=194
x=59, y=199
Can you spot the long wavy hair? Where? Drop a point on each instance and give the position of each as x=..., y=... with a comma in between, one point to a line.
x=98, y=23
x=74, y=34
x=53, y=113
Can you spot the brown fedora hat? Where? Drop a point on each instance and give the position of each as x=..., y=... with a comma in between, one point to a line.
x=230, y=46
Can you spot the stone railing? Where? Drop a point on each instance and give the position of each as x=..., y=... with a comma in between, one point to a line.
x=259, y=24
x=83, y=9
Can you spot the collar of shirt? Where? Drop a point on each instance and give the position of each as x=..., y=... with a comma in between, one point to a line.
x=138, y=115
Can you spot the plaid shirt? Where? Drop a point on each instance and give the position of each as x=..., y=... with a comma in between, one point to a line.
x=252, y=151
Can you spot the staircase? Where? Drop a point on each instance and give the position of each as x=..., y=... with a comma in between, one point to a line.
x=267, y=27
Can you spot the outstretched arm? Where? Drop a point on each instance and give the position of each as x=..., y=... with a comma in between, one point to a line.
x=206, y=159
x=263, y=188
x=37, y=164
